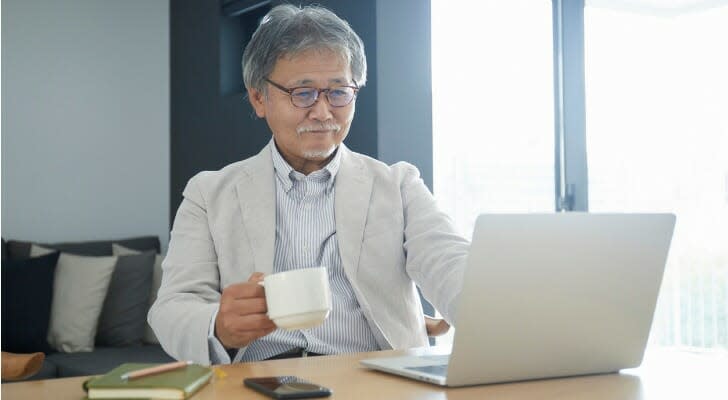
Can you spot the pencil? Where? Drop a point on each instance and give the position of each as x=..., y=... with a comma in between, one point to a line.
x=155, y=370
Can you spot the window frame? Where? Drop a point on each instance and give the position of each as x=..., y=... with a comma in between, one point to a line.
x=570, y=158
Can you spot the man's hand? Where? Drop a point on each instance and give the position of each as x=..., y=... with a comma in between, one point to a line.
x=241, y=318
x=435, y=326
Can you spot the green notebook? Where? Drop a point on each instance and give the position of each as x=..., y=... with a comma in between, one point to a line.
x=176, y=384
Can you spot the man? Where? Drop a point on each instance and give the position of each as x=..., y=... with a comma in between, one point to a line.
x=304, y=201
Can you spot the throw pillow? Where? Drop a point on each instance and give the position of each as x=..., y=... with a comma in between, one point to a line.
x=123, y=318
x=27, y=292
x=118, y=250
x=21, y=249
x=78, y=295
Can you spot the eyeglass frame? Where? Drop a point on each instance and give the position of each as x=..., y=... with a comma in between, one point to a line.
x=325, y=91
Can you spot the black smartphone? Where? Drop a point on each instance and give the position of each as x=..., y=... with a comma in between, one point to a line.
x=286, y=387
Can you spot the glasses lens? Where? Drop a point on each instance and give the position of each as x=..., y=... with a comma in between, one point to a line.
x=340, y=96
x=304, y=97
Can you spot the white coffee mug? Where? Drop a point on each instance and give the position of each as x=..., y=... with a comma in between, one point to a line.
x=298, y=299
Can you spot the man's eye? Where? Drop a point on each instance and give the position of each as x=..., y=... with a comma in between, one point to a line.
x=304, y=94
x=339, y=92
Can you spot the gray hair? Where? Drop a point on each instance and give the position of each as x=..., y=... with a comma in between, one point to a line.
x=288, y=30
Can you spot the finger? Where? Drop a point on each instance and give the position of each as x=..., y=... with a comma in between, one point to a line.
x=242, y=325
x=253, y=305
x=243, y=290
x=256, y=277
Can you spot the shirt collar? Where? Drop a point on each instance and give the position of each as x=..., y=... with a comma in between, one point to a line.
x=286, y=174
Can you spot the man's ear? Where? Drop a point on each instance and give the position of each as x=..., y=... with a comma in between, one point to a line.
x=257, y=100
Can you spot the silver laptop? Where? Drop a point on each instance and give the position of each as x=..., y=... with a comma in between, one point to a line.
x=550, y=295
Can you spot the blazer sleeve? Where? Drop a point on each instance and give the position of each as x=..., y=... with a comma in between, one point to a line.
x=190, y=291
x=435, y=253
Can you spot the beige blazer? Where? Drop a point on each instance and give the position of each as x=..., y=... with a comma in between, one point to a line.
x=390, y=232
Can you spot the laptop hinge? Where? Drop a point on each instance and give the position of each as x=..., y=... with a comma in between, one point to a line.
x=566, y=200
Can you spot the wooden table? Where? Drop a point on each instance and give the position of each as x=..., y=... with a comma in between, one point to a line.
x=663, y=375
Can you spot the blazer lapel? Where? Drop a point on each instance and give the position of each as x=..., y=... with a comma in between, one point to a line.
x=256, y=197
x=353, y=190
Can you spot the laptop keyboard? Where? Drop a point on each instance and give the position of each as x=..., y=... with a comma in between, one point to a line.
x=439, y=370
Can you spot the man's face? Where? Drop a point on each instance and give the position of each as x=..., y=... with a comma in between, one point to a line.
x=306, y=137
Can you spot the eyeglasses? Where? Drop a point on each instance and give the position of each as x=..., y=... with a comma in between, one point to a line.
x=305, y=97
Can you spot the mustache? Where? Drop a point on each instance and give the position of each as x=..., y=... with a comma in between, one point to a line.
x=330, y=126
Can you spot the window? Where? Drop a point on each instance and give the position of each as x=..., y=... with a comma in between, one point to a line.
x=655, y=137
x=657, y=140
x=493, y=115
x=493, y=118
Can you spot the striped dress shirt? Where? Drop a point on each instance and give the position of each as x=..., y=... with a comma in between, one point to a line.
x=306, y=237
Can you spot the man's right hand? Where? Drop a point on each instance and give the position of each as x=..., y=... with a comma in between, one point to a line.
x=241, y=318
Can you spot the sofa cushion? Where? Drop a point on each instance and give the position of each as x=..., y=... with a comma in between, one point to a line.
x=79, y=291
x=27, y=293
x=21, y=249
x=118, y=250
x=123, y=318
x=104, y=359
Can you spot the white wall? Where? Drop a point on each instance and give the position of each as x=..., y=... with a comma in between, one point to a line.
x=85, y=119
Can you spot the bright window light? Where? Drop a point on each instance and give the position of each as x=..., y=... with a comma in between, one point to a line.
x=493, y=114
x=657, y=140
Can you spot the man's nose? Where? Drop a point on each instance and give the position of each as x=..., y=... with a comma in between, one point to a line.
x=321, y=109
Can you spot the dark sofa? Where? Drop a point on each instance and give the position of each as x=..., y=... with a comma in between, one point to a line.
x=99, y=361
x=103, y=358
